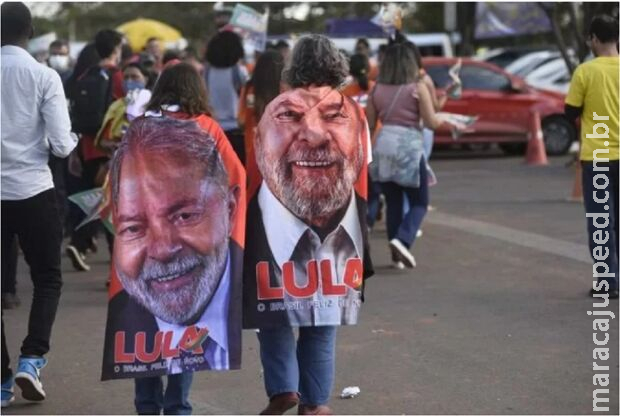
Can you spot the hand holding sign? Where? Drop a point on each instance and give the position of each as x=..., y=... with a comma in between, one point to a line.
x=455, y=90
x=459, y=122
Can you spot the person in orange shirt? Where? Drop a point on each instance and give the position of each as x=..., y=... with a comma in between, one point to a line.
x=164, y=224
x=263, y=87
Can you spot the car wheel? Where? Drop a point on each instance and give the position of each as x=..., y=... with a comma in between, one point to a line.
x=513, y=149
x=558, y=134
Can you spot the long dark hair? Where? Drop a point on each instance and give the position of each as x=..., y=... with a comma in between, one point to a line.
x=180, y=84
x=266, y=80
x=88, y=58
x=359, y=68
x=398, y=66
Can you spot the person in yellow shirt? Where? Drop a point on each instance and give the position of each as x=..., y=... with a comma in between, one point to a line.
x=593, y=96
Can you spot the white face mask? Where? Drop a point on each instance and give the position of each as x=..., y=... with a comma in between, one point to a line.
x=59, y=62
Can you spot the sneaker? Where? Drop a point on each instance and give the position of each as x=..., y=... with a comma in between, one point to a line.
x=398, y=265
x=419, y=233
x=7, y=392
x=28, y=378
x=78, y=259
x=400, y=252
x=10, y=301
x=92, y=246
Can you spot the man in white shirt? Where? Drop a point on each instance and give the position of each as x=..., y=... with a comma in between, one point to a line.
x=35, y=123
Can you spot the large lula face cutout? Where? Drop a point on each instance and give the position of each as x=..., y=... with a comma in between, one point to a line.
x=308, y=151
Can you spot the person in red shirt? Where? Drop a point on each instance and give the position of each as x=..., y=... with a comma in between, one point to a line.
x=263, y=87
x=108, y=44
x=181, y=94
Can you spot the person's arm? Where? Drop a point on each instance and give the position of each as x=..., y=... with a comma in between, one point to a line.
x=243, y=108
x=572, y=113
x=575, y=97
x=56, y=116
x=371, y=111
x=427, y=109
x=438, y=102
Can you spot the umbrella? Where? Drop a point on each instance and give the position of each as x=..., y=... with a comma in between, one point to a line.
x=138, y=31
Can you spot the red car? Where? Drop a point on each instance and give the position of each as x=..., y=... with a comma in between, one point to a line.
x=503, y=104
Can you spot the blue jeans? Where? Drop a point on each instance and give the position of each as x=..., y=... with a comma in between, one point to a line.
x=151, y=399
x=374, y=203
x=306, y=366
x=608, y=266
x=428, y=137
x=404, y=227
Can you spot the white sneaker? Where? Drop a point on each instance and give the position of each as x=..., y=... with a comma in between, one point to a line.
x=400, y=252
x=419, y=233
x=398, y=265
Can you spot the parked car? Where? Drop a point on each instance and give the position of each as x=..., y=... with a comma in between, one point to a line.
x=503, y=57
x=430, y=44
x=527, y=63
x=553, y=75
x=504, y=104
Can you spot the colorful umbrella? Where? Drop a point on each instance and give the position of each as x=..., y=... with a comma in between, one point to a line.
x=138, y=31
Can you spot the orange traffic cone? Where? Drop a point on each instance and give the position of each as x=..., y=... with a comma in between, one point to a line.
x=536, y=154
x=577, y=195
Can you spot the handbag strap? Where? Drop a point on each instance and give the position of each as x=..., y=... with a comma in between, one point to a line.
x=389, y=110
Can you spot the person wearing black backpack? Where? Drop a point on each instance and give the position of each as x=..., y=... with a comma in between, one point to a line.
x=90, y=96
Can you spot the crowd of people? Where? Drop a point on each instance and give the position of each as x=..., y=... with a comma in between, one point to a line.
x=71, y=128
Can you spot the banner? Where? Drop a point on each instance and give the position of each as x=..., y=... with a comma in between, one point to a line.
x=389, y=18
x=178, y=207
x=495, y=19
x=307, y=248
x=95, y=204
x=250, y=25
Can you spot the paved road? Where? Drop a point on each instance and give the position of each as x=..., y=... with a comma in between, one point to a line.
x=492, y=321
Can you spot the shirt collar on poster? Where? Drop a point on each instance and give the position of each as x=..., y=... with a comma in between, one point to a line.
x=283, y=229
x=215, y=316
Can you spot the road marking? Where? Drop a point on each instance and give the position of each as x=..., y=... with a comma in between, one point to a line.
x=578, y=252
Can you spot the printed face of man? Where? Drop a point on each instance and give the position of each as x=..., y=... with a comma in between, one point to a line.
x=173, y=225
x=309, y=152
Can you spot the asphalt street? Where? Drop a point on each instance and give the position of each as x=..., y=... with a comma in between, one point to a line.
x=492, y=321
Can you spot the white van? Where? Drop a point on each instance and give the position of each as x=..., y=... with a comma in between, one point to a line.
x=430, y=44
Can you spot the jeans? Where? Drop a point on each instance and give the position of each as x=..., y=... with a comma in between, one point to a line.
x=151, y=398
x=405, y=227
x=428, y=137
x=36, y=223
x=58, y=167
x=306, y=366
x=9, y=267
x=374, y=202
x=591, y=206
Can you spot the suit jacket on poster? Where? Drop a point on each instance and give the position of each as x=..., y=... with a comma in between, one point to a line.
x=257, y=249
x=125, y=314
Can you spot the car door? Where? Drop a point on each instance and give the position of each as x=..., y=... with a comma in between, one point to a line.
x=503, y=113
